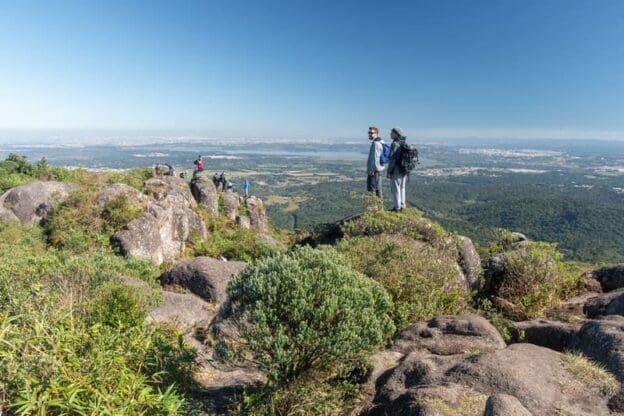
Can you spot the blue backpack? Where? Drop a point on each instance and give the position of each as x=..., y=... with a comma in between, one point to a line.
x=385, y=154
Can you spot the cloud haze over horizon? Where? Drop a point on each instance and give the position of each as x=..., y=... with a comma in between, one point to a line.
x=443, y=69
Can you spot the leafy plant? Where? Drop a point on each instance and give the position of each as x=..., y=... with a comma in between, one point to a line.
x=305, y=310
x=422, y=279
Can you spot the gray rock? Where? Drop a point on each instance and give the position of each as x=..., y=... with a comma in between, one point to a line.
x=611, y=303
x=205, y=192
x=536, y=376
x=505, y=405
x=183, y=311
x=171, y=189
x=470, y=262
x=448, y=335
x=117, y=190
x=257, y=215
x=30, y=203
x=494, y=274
x=243, y=222
x=610, y=278
x=558, y=336
x=161, y=233
x=207, y=278
x=230, y=202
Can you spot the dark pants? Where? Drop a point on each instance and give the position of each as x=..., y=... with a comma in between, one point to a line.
x=373, y=184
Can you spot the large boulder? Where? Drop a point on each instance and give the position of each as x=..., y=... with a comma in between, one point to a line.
x=558, y=336
x=611, y=303
x=447, y=335
x=117, y=190
x=230, y=204
x=175, y=191
x=470, y=262
x=207, y=278
x=610, y=278
x=30, y=203
x=536, y=376
x=161, y=233
x=205, y=192
x=505, y=405
x=183, y=311
x=257, y=215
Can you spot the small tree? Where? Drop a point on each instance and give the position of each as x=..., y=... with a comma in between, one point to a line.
x=305, y=310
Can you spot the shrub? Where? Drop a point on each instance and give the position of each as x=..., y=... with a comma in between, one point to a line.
x=306, y=310
x=119, y=306
x=133, y=177
x=234, y=244
x=56, y=365
x=120, y=211
x=75, y=224
x=535, y=277
x=409, y=223
x=422, y=280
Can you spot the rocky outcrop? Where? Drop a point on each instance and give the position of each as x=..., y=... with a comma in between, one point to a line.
x=30, y=203
x=230, y=204
x=559, y=336
x=207, y=278
x=470, y=262
x=505, y=405
x=611, y=303
x=184, y=311
x=161, y=233
x=610, y=278
x=172, y=190
x=115, y=191
x=257, y=215
x=243, y=222
x=448, y=335
x=534, y=375
x=205, y=192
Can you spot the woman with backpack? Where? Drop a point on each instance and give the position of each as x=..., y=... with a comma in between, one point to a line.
x=397, y=175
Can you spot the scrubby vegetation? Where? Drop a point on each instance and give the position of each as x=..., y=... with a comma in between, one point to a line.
x=413, y=259
x=533, y=276
x=592, y=374
x=304, y=315
x=72, y=337
x=422, y=280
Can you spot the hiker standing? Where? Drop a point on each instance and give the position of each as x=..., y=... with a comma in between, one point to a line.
x=395, y=173
x=222, y=181
x=199, y=163
x=374, y=166
x=246, y=187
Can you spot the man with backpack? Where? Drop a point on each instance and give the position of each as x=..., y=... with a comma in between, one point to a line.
x=403, y=159
x=375, y=165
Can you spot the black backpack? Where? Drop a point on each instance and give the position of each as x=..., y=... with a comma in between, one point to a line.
x=407, y=159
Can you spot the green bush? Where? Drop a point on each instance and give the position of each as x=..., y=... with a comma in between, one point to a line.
x=133, y=177
x=305, y=311
x=118, y=306
x=75, y=224
x=422, y=279
x=535, y=278
x=234, y=244
x=120, y=211
x=56, y=365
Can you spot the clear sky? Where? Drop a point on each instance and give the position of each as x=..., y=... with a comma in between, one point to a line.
x=314, y=68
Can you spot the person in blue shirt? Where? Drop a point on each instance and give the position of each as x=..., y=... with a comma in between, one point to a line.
x=246, y=187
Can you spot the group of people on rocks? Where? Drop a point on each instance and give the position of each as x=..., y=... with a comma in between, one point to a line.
x=395, y=161
x=219, y=180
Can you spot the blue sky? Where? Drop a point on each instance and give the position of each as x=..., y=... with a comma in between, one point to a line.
x=516, y=68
